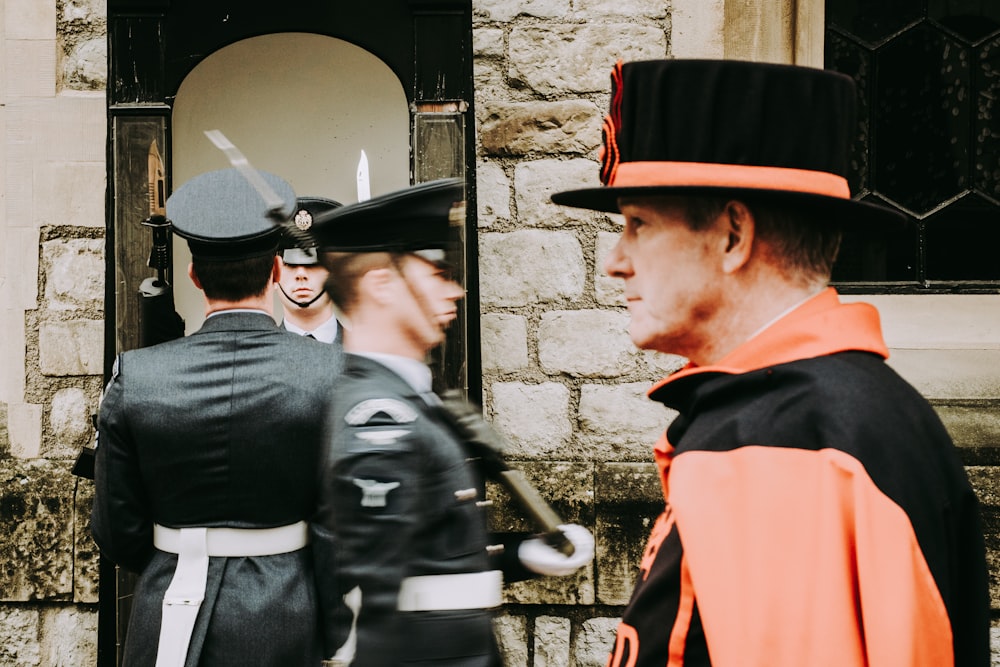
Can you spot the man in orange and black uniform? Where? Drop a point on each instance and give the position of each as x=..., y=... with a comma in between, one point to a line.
x=816, y=510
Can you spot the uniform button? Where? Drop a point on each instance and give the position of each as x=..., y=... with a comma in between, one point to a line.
x=465, y=494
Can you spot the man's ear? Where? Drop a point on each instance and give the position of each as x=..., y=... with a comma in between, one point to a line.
x=194, y=276
x=276, y=270
x=740, y=228
x=376, y=285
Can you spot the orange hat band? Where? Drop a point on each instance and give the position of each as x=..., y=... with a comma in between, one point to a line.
x=701, y=174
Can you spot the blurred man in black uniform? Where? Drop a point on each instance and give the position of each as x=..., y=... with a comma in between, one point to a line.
x=307, y=308
x=400, y=495
x=209, y=445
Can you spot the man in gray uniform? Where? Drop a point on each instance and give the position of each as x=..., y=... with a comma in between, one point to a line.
x=400, y=495
x=307, y=308
x=209, y=446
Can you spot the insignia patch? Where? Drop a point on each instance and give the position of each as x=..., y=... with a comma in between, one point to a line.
x=399, y=412
x=373, y=494
x=381, y=437
x=303, y=219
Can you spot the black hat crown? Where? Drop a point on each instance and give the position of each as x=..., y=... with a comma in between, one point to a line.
x=702, y=126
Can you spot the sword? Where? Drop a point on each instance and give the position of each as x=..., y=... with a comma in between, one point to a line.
x=274, y=203
x=364, y=188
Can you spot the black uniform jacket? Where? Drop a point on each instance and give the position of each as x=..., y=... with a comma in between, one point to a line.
x=401, y=502
x=816, y=513
x=221, y=428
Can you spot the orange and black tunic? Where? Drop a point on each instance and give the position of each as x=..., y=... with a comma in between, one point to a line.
x=816, y=513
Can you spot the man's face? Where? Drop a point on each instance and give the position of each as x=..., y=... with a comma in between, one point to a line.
x=301, y=284
x=671, y=275
x=428, y=300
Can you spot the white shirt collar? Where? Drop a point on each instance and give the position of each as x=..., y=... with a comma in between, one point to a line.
x=415, y=373
x=324, y=333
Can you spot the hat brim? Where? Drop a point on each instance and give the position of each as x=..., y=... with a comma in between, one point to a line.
x=848, y=213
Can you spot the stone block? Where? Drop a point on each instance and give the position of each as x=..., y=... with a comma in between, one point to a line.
x=653, y=9
x=529, y=266
x=575, y=589
x=628, y=499
x=526, y=128
x=29, y=19
x=69, y=636
x=18, y=189
x=568, y=486
x=487, y=42
x=504, y=343
x=4, y=433
x=505, y=10
x=86, y=556
x=950, y=374
x=36, y=520
x=594, y=641
x=70, y=193
x=488, y=81
x=585, y=343
x=621, y=421
x=976, y=425
x=71, y=348
x=512, y=637
x=698, y=29
x=535, y=181
x=577, y=58
x=72, y=127
x=12, y=355
x=74, y=273
x=31, y=68
x=492, y=194
x=534, y=417
x=24, y=428
x=86, y=68
x=21, y=269
x=986, y=483
x=69, y=422
x=607, y=290
x=552, y=637
x=19, y=635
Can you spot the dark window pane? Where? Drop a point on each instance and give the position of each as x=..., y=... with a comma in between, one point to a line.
x=922, y=119
x=873, y=20
x=876, y=256
x=986, y=135
x=970, y=19
x=962, y=240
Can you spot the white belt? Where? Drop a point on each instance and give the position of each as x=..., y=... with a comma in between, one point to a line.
x=440, y=592
x=186, y=591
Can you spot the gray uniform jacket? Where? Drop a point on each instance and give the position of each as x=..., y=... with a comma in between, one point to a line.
x=220, y=428
x=397, y=504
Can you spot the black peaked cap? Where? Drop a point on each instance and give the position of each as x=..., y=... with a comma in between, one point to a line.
x=416, y=218
x=223, y=217
x=297, y=248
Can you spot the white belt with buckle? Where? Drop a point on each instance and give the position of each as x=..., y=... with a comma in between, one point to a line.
x=186, y=592
x=441, y=592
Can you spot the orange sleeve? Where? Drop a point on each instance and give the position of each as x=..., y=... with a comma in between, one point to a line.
x=797, y=558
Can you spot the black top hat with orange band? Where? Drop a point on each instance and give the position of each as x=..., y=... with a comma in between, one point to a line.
x=760, y=130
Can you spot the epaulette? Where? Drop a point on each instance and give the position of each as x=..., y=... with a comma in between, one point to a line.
x=393, y=411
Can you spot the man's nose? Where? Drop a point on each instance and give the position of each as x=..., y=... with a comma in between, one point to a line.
x=615, y=262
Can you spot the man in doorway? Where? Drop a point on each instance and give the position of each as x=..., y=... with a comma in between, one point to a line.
x=307, y=308
x=816, y=510
x=402, y=501
x=206, y=468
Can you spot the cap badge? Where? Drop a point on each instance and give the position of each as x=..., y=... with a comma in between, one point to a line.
x=303, y=219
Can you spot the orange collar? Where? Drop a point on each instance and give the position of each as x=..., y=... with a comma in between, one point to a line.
x=820, y=326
